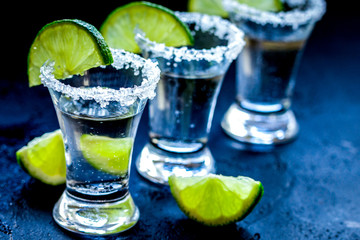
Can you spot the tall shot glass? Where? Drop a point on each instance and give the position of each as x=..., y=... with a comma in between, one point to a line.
x=182, y=111
x=99, y=113
x=266, y=70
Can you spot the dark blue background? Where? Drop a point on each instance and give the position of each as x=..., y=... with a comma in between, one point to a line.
x=311, y=185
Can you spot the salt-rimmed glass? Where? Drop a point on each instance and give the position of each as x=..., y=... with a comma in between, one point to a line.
x=182, y=111
x=266, y=70
x=98, y=114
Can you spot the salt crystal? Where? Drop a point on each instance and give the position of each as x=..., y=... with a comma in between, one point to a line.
x=125, y=96
x=313, y=12
x=215, y=25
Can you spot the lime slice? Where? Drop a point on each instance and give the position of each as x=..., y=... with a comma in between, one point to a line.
x=264, y=5
x=110, y=155
x=216, y=200
x=215, y=7
x=211, y=7
x=74, y=45
x=157, y=22
x=44, y=158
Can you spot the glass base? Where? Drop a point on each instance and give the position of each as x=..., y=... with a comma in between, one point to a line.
x=255, y=128
x=157, y=165
x=95, y=218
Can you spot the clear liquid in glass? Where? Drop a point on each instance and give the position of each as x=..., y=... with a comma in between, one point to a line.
x=182, y=112
x=266, y=71
x=83, y=180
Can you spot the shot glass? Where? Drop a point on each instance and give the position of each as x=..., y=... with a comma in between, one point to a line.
x=266, y=70
x=99, y=113
x=182, y=111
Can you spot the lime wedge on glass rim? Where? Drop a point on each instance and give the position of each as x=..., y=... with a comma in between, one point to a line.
x=44, y=158
x=157, y=22
x=110, y=155
x=216, y=200
x=215, y=7
x=74, y=45
x=211, y=7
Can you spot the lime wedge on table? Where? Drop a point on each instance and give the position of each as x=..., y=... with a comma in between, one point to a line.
x=44, y=158
x=215, y=7
x=157, y=22
x=74, y=45
x=110, y=155
x=216, y=200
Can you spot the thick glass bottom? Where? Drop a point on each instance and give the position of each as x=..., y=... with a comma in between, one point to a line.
x=258, y=128
x=95, y=218
x=177, y=146
x=157, y=165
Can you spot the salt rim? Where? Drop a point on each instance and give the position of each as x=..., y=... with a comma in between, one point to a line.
x=214, y=24
x=125, y=96
x=294, y=18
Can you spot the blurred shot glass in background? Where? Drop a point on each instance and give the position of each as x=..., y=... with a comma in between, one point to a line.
x=266, y=70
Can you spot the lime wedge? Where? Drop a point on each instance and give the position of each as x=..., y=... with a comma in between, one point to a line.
x=211, y=7
x=215, y=7
x=216, y=200
x=157, y=22
x=44, y=158
x=74, y=45
x=110, y=155
x=264, y=5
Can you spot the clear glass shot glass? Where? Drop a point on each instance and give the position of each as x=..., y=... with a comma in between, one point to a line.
x=266, y=70
x=182, y=111
x=99, y=113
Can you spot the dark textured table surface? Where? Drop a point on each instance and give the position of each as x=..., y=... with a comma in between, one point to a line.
x=311, y=185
